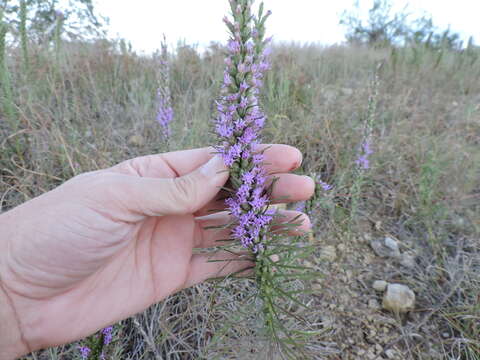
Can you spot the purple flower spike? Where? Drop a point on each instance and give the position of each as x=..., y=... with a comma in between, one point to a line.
x=164, y=102
x=365, y=151
x=164, y=114
x=239, y=123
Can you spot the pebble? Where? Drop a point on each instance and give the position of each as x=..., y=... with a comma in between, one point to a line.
x=398, y=298
x=391, y=244
x=380, y=285
x=385, y=248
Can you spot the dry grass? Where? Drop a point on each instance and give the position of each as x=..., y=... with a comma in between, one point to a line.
x=95, y=107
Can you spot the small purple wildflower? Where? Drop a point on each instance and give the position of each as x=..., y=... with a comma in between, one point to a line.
x=165, y=112
x=324, y=185
x=84, y=352
x=362, y=161
x=301, y=206
x=239, y=123
x=107, y=335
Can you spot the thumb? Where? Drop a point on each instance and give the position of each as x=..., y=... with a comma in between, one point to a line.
x=181, y=195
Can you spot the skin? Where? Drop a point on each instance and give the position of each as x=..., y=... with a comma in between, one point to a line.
x=107, y=244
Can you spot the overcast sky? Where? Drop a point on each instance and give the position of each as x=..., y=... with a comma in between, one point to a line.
x=200, y=21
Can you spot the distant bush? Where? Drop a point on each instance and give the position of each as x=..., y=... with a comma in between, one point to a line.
x=383, y=27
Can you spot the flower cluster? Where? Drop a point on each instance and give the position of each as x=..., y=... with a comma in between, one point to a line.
x=362, y=161
x=240, y=121
x=95, y=350
x=84, y=352
x=164, y=114
x=107, y=335
x=164, y=101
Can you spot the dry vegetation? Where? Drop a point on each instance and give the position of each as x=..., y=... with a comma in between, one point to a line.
x=92, y=105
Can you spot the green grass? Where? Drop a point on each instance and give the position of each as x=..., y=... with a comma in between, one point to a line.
x=82, y=113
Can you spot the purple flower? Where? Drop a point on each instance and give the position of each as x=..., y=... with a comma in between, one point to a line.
x=84, y=351
x=324, y=185
x=239, y=123
x=234, y=46
x=300, y=206
x=365, y=151
x=165, y=112
x=107, y=335
x=363, y=162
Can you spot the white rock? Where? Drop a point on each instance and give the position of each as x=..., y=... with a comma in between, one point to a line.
x=380, y=285
x=398, y=298
x=391, y=244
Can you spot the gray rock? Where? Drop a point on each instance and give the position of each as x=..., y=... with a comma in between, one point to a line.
x=391, y=244
x=385, y=248
x=380, y=285
x=398, y=298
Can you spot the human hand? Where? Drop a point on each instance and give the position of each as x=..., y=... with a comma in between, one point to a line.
x=107, y=244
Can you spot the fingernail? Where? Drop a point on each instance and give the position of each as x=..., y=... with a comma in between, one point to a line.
x=213, y=167
x=312, y=184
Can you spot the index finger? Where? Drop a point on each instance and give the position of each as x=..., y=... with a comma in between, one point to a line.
x=279, y=158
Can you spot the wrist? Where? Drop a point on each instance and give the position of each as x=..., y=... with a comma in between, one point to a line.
x=11, y=341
